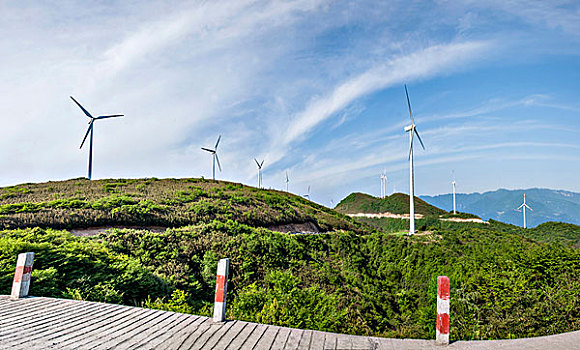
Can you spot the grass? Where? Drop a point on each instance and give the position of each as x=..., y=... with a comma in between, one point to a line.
x=80, y=203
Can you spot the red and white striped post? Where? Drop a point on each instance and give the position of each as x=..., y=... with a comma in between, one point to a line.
x=21, y=283
x=221, y=288
x=442, y=329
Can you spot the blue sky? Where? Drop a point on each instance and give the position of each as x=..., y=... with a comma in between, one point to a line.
x=313, y=87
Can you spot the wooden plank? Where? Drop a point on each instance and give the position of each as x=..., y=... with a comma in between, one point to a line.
x=190, y=338
x=317, y=340
x=27, y=310
x=180, y=335
x=217, y=335
x=254, y=337
x=86, y=326
x=294, y=339
x=36, y=319
x=236, y=343
x=230, y=335
x=281, y=339
x=305, y=341
x=41, y=332
x=106, y=326
x=148, y=326
x=158, y=336
x=202, y=339
x=267, y=340
x=330, y=341
x=344, y=342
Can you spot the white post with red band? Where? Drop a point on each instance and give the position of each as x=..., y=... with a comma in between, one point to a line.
x=221, y=288
x=21, y=283
x=442, y=329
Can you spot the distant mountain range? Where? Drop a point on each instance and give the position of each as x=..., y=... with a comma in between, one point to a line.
x=547, y=205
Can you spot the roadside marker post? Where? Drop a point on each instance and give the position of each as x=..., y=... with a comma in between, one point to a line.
x=442, y=328
x=221, y=288
x=21, y=283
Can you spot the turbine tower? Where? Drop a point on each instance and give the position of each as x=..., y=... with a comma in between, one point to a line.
x=287, y=180
x=382, y=177
x=412, y=130
x=523, y=207
x=307, y=195
x=214, y=155
x=453, y=183
x=90, y=130
x=259, y=172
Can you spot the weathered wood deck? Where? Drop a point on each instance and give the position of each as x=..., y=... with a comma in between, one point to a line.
x=47, y=323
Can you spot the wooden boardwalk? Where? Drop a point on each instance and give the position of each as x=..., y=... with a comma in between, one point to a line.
x=47, y=323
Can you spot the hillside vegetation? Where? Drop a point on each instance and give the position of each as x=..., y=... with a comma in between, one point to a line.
x=397, y=203
x=169, y=202
x=505, y=281
x=503, y=284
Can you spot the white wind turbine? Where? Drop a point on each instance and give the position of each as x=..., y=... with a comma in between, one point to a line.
x=523, y=207
x=385, y=182
x=259, y=172
x=307, y=195
x=214, y=155
x=382, y=177
x=287, y=181
x=412, y=130
x=453, y=183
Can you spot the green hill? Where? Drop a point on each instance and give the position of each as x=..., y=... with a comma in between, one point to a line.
x=82, y=203
x=505, y=281
x=397, y=203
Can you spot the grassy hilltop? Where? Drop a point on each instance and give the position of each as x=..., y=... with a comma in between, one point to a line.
x=169, y=202
x=505, y=281
x=397, y=203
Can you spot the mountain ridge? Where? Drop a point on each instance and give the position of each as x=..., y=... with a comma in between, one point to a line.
x=547, y=204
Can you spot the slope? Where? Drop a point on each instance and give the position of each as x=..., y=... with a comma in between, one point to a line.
x=153, y=202
x=397, y=203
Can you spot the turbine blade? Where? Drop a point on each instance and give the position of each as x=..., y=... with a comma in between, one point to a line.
x=218, y=142
x=529, y=207
x=419, y=137
x=258, y=164
x=217, y=160
x=520, y=207
x=207, y=149
x=262, y=163
x=109, y=116
x=81, y=107
x=409, y=104
x=87, y=134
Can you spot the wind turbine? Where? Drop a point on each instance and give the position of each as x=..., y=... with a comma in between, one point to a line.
x=287, y=180
x=523, y=207
x=453, y=183
x=259, y=172
x=307, y=195
x=412, y=130
x=214, y=155
x=90, y=130
x=384, y=181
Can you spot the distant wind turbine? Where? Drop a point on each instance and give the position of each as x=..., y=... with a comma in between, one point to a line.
x=90, y=130
x=259, y=172
x=287, y=181
x=523, y=207
x=453, y=183
x=307, y=195
x=412, y=130
x=214, y=155
x=383, y=183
